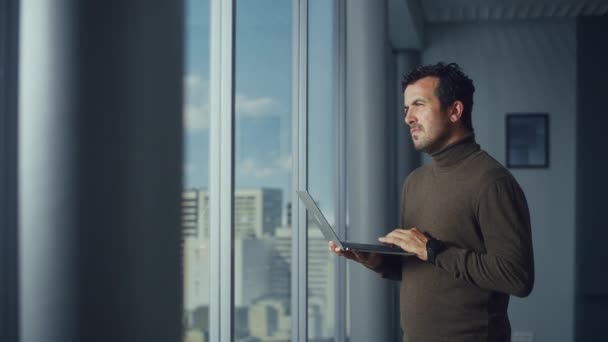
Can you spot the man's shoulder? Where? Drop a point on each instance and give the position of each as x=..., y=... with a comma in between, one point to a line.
x=419, y=172
x=490, y=170
x=480, y=169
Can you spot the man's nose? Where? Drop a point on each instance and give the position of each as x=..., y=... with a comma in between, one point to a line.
x=409, y=118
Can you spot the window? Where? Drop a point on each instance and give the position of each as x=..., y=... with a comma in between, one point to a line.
x=263, y=170
x=252, y=274
x=321, y=167
x=195, y=196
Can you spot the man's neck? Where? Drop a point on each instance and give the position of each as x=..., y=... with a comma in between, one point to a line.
x=453, y=137
x=456, y=151
x=456, y=136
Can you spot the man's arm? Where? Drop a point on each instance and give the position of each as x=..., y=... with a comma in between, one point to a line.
x=507, y=265
x=390, y=267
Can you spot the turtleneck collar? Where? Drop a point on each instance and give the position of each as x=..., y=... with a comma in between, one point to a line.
x=456, y=152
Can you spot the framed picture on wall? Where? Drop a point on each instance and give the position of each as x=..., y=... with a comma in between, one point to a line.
x=527, y=140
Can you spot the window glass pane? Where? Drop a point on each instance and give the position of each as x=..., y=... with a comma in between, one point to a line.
x=263, y=176
x=195, y=196
x=321, y=167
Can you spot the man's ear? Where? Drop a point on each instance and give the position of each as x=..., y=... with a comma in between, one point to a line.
x=456, y=111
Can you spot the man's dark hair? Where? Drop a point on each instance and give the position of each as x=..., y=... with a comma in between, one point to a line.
x=453, y=85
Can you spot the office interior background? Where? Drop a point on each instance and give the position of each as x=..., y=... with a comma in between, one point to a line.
x=150, y=151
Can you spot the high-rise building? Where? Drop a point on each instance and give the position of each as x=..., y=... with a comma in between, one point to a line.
x=195, y=254
x=195, y=260
x=288, y=214
x=195, y=263
x=268, y=321
x=318, y=258
x=280, y=267
x=321, y=278
x=257, y=212
x=321, y=281
x=195, y=213
x=261, y=259
x=252, y=257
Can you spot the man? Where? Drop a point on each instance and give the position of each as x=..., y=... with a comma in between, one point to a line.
x=464, y=216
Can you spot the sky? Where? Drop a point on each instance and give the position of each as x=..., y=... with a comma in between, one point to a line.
x=263, y=98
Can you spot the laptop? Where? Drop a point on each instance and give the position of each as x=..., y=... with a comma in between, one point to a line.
x=330, y=234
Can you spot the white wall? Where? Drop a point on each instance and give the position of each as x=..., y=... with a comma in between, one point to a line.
x=528, y=67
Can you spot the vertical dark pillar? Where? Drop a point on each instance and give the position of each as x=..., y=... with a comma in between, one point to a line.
x=592, y=182
x=9, y=24
x=100, y=170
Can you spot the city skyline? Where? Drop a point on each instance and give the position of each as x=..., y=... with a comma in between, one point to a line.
x=262, y=268
x=262, y=160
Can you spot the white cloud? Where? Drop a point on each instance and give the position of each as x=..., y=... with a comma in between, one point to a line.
x=251, y=167
x=285, y=162
x=196, y=117
x=189, y=168
x=254, y=106
x=197, y=107
x=193, y=81
x=196, y=103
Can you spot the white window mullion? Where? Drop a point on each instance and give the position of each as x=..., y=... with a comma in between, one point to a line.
x=300, y=170
x=340, y=188
x=221, y=170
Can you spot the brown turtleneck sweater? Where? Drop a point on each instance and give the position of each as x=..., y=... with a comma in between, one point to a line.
x=475, y=206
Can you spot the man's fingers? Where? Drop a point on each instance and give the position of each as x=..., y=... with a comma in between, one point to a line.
x=418, y=234
x=393, y=241
x=409, y=235
x=405, y=244
x=400, y=233
x=409, y=240
x=352, y=255
x=334, y=248
x=340, y=252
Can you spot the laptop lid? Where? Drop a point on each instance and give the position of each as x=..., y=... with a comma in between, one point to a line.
x=316, y=213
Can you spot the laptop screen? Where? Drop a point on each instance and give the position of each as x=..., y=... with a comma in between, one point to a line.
x=316, y=213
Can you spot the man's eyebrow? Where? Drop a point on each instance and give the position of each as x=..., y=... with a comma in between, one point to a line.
x=416, y=100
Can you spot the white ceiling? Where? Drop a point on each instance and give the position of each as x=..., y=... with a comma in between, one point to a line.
x=436, y=11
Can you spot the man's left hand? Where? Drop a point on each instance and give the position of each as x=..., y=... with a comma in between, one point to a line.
x=410, y=240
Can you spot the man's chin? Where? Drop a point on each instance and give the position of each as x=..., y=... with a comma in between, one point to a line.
x=425, y=148
x=418, y=145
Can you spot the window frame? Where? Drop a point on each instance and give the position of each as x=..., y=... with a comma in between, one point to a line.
x=341, y=199
x=221, y=170
x=299, y=270
x=222, y=173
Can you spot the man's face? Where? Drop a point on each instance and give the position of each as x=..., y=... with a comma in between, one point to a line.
x=429, y=125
